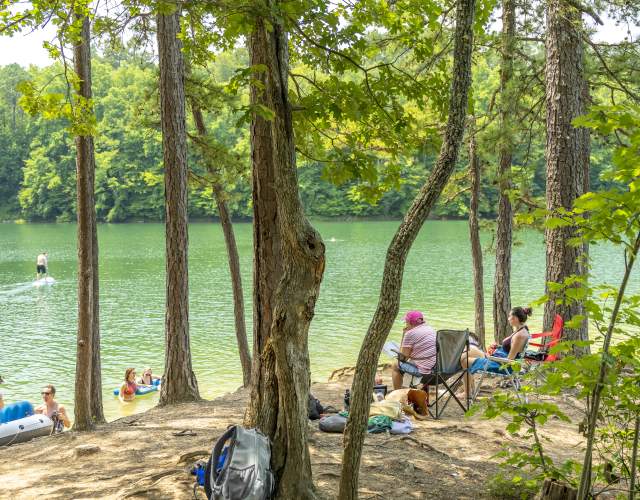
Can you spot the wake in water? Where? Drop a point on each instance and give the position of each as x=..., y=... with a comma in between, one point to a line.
x=18, y=288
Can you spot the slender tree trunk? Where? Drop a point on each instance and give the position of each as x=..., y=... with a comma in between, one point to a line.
x=298, y=285
x=267, y=263
x=567, y=155
x=85, y=167
x=474, y=234
x=236, y=283
x=179, y=381
x=584, y=490
x=502, y=277
x=232, y=254
x=388, y=302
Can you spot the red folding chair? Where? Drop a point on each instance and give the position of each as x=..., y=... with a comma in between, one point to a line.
x=542, y=354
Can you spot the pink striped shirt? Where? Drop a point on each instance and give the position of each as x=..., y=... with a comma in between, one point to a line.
x=422, y=341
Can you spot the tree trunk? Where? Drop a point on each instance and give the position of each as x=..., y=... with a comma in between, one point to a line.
x=502, y=276
x=232, y=254
x=553, y=490
x=236, y=283
x=474, y=235
x=179, y=381
x=267, y=264
x=302, y=267
x=567, y=156
x=388, y=302
x=85, y=167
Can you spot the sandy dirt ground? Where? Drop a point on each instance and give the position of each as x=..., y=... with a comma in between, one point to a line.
x=149, y=455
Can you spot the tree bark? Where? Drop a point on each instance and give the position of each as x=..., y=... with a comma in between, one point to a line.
x=179, y=381
x=298, y=286
x=567, y=156
x=232, y=254
x=85, y=167
x=474, y=235
x=504, y=239
x=388, y=302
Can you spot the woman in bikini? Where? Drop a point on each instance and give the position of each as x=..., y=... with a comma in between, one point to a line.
x=511, y=348
x=129, y=386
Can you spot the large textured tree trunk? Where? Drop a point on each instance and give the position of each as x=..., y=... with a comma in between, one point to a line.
x=179, y=381
x=502, y=276
x=567, y=154
x=267, y=264
x=232, y=254
x=474, y=235
x=298, y=286
x=85, y=167
x=388, y=302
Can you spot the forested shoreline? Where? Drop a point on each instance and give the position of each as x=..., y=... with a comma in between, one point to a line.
x=37, y=163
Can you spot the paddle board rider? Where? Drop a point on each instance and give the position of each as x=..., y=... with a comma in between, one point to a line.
x=41, y=265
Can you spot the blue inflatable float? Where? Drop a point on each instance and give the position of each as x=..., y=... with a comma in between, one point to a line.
x=143, y=390
x=15, y=411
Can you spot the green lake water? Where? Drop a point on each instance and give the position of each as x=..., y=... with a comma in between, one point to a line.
x=38, y=324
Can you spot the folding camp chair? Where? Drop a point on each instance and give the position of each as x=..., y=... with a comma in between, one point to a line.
x=542, y=354
x=500, y=368
x=448, y=373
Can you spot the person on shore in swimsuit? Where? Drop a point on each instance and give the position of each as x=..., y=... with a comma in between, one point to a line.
x=129, y=386
x=52, y=409
x=511, y=348
x=41, y=265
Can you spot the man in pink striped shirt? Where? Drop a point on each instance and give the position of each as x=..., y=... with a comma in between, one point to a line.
x=418, y=347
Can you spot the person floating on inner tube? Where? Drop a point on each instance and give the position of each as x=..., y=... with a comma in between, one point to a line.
x=52, y=409
x=41, y=265
x=147, y=377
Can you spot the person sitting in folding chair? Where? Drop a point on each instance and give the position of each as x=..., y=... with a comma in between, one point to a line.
x=417, y=355
x=498, y=356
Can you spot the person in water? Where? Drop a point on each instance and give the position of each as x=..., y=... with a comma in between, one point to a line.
x=1, y=396
x=129, y=386
x=511, y=348
x=41, y=265
x=52, y=409
x=147, y=377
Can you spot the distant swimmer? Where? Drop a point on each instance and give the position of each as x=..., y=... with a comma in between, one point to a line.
x=41, y=265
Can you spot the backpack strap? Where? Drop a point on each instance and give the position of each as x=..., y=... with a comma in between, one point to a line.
x=215, y=457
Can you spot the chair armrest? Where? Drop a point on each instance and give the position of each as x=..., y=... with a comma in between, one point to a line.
x=536, y=344
x=503, y=361
x=540, y=335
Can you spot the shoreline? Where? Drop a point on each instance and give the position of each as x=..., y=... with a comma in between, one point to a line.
x=148, y=455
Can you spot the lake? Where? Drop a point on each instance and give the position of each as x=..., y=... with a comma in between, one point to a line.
x=38, y=324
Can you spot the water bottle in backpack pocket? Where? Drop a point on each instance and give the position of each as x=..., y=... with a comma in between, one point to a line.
x=240, y=466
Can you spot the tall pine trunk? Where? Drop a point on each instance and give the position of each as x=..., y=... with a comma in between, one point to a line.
x=87, y=286
x=474, y=235
x=502, y=276
x=232, y=253
x=267, y=243
x=389, y=299
x=298, y=283
x=179, y=381
x=567, y=154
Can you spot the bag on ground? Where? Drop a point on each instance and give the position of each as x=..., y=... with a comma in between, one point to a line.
x=240, y=466
x=333, y=423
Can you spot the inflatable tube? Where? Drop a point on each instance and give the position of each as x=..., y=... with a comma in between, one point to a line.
x=25, y=429
x=14, y=411
x=143, y=390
